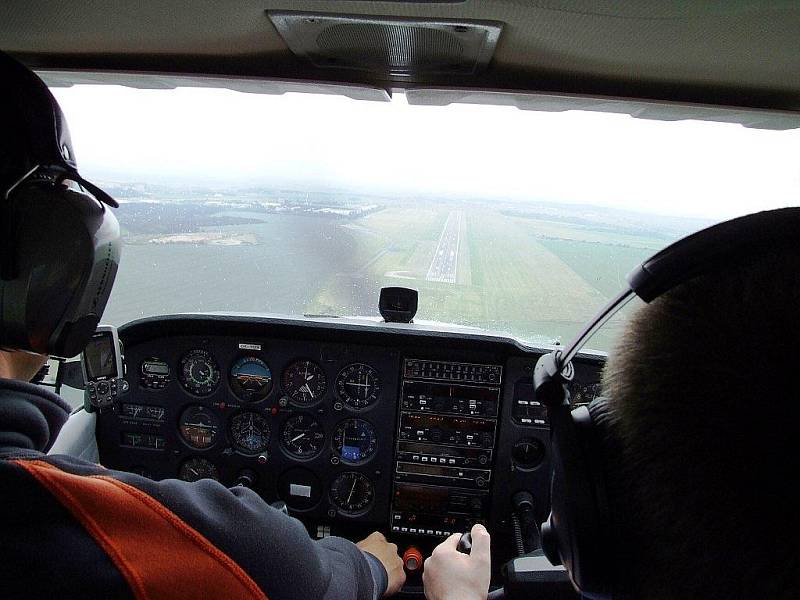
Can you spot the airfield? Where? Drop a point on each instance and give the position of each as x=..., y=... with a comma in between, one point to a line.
x=538, y=274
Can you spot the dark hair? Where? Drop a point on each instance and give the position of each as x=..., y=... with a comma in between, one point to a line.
x=704, y=405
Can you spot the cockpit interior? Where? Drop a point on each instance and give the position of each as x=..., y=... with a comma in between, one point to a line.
x=355, y=337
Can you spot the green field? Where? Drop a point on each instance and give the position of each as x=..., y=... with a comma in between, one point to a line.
x=538, y=279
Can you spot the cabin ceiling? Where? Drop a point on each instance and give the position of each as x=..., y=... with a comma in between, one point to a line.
x=734, y=52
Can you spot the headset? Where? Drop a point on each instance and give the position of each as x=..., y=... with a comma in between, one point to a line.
x=579, y=531
x=59, y=241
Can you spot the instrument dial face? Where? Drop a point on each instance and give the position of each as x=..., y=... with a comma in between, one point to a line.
x=195, y=469
x=199, y=427
x=250, y=432
x=358, y=385
x=354, y=440
x=302, y=436
x=352, y=493
x=199, y=372
x=251, y=379
x=304, y=382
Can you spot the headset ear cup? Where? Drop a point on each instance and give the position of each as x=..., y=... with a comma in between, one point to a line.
x=66, y=255
x=577, y=526
x=602, y=417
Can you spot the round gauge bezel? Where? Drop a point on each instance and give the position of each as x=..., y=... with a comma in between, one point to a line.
x=344, y=511
x=346, y=398
x=198, y=458
x=285, y=447
x=285, y=387
x=241, y=449
x=216, y=432
x=235, y=388
x=337, y=451
x=211, y=361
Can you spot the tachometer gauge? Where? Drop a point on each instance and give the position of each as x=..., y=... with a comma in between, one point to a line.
x=304, y=382
x=302, y=436
x=250, y=432
x=199, y=372
x=199, y=427
x=358, y=385
x=251, y=379
x=352, y=493
x=195, y=469
x=354, y=440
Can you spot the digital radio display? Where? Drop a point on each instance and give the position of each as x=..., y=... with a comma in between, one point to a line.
x=438, y=392
x=422, y=421
x=417, y=498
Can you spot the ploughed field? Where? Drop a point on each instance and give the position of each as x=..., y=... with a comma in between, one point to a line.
x=537, y=274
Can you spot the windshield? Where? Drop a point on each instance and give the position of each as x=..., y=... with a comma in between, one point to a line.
x=507, y=220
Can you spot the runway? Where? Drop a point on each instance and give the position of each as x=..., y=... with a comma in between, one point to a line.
x=444, y=266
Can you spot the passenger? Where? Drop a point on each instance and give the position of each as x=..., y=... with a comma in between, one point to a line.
x=701, y=451
x=702, y=454
x=72, y=529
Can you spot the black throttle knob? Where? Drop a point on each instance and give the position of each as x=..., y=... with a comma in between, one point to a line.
x=465, y=543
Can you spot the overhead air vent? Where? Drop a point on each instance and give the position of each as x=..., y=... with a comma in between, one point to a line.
x=393, y=46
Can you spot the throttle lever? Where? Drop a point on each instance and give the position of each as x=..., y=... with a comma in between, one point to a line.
x=465, y=543
x=465, y=547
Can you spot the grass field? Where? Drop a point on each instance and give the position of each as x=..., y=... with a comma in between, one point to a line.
x=539, y=279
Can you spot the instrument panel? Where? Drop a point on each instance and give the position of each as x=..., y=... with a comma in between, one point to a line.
x=417, y=434
x=309, y=424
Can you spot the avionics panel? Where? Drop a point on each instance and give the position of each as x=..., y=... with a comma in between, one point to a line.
x=446, y=435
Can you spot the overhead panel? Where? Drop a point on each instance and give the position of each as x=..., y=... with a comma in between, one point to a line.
x=393, y=46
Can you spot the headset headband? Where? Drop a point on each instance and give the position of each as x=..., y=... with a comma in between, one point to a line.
x=56, y=174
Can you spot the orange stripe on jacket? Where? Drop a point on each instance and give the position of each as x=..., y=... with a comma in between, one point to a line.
x=159, y=555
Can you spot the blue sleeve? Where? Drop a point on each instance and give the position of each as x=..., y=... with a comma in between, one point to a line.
x=274, y=549
x=380, y=578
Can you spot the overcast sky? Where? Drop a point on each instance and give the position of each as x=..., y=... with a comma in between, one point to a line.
x=219, y=136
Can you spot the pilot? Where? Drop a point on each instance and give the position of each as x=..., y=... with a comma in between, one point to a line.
x=72, y=529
